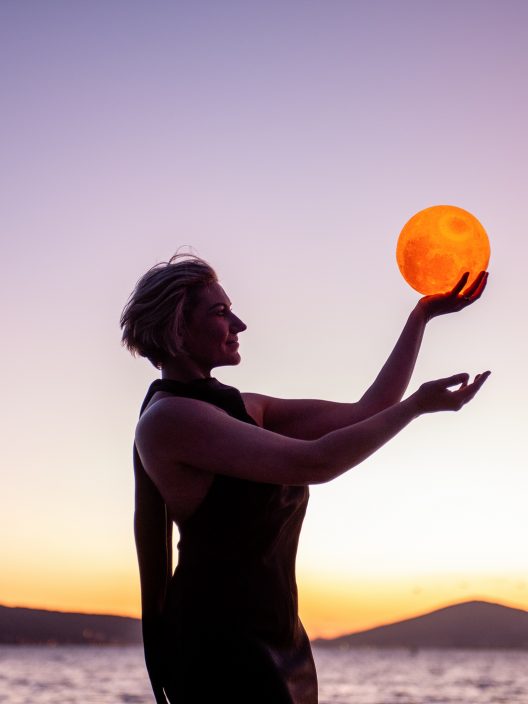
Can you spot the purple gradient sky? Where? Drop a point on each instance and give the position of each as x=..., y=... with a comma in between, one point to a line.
x=288, y=143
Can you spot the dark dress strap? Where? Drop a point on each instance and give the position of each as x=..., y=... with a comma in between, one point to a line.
x=209, y=390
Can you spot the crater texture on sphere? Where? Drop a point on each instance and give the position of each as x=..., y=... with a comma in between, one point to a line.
x=438, y=244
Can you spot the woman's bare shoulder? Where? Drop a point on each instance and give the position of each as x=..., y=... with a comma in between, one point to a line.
x=167, y=412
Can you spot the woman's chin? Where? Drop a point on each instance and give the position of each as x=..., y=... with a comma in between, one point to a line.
x=229, y=360
x=235, y=359
x=233, y=354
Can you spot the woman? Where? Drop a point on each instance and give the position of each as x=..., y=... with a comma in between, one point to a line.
x=232, y=471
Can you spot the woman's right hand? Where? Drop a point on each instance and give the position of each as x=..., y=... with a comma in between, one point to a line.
x=454, y=300
x=436, y=395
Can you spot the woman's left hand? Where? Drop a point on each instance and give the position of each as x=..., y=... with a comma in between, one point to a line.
x=454, y=300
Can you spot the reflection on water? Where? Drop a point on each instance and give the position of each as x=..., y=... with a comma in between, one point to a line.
x=72, y=675
x=94, y=675
x=424, y=677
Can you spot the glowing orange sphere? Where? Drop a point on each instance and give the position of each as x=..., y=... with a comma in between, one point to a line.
x=438, y=244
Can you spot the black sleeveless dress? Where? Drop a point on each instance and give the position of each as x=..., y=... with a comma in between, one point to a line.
x=231, y=626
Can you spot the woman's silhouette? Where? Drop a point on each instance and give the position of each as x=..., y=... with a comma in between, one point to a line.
x=232, y=471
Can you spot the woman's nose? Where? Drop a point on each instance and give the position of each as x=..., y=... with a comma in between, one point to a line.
x=238, y=325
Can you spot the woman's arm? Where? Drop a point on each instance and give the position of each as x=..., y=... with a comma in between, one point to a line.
x=184, y=432
x=308, y=419
x=393, y=379
x=311, y=418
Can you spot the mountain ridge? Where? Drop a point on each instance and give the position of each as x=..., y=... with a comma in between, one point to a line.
x=470, y=624
x=21, y=625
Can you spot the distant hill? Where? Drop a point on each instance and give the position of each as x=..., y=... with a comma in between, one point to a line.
x=473, y=624
x=18, y=625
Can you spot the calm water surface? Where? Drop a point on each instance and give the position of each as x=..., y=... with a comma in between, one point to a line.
x=86, y=675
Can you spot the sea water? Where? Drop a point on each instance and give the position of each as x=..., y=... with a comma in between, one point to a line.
x=116, y=675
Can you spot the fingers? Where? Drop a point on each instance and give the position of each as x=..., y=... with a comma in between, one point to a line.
x=478, y=381
x=474, y=291
x=468, y=392
x=435, y=395
x=481, y=286
x=481, y=378
x=454, y=380
x=460, y=285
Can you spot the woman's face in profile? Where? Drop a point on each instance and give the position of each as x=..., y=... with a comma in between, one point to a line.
x=211, y=335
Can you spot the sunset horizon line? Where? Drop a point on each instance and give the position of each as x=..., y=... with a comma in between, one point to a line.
x=412, y=615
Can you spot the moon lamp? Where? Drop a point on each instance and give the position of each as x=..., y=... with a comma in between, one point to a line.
x=437, y=245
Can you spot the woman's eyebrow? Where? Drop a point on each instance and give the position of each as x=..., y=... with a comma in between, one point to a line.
x=221, y=303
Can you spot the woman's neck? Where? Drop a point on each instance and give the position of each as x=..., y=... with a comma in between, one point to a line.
x=184, y=369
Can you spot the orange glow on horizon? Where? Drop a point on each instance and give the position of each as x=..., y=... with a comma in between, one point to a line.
x=79, y=590
x=437, y=245
x=336, y=605
x=329, y=606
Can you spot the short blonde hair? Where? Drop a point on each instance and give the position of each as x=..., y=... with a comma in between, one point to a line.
x=159, y=305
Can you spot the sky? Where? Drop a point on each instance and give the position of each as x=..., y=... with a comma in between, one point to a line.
x=287, y=143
